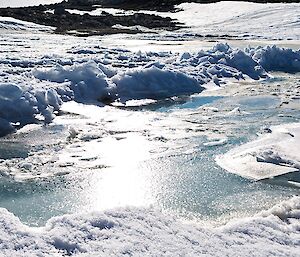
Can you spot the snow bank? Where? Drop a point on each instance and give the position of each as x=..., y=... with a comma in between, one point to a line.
x=22, y=105
x=146, y=232
x=88, y=81
x=106, y=75
x=221, y=62
x=274, y=58
x=271, y=155
x=154, y=83
x=15, y=104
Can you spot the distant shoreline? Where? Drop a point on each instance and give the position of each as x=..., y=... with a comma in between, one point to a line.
x=169, y=5
x=57, y=15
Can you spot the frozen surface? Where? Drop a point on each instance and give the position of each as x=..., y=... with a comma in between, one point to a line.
x=34, y=85
x=271, y=155
x=99, y=128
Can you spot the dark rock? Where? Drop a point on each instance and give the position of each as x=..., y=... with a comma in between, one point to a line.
x=60, y=10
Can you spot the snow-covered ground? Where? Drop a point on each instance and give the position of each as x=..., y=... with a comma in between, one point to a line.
x=145, y=232
x=169, y=114
x=18, y=3
x=41, y=84
x=241, y=20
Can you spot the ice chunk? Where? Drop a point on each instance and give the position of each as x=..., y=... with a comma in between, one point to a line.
x=273, y=154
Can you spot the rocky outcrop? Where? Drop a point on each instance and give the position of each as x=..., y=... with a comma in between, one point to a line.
x=159, y=5
x=85, y=25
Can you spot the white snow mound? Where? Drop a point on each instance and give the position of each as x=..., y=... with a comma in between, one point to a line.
x=146, y=232
x=154, y=83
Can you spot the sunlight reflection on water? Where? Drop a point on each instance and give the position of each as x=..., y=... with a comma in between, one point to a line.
x=123, y=157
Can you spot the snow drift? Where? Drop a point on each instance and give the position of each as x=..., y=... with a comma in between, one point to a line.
x=273, y=58
x=87, y=80
x=154, y=83
x=147, y=232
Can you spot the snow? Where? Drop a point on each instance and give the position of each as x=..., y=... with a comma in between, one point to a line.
x=15, y=104
x=93, y=74
x=88, y=81
x=148, y=232
x=9, y=23
x=273, y=154
x=42, y=73
x=241, y=19
x=18, y=3
x=228, y=18
x=154, y=83
x=277, y=59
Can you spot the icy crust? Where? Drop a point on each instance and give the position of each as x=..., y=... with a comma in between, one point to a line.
x=34, y=89
x=273, y=154
x=147, y=232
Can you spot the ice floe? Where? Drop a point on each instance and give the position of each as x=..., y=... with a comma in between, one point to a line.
x=273, y=154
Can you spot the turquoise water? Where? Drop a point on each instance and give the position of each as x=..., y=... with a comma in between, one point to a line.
x=179, y=177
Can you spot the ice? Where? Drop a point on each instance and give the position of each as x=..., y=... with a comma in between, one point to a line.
x=221, y=62
x=110, y=157
x=16, y=105
x=271, y=155
x=35, y=87
x=148, y=232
